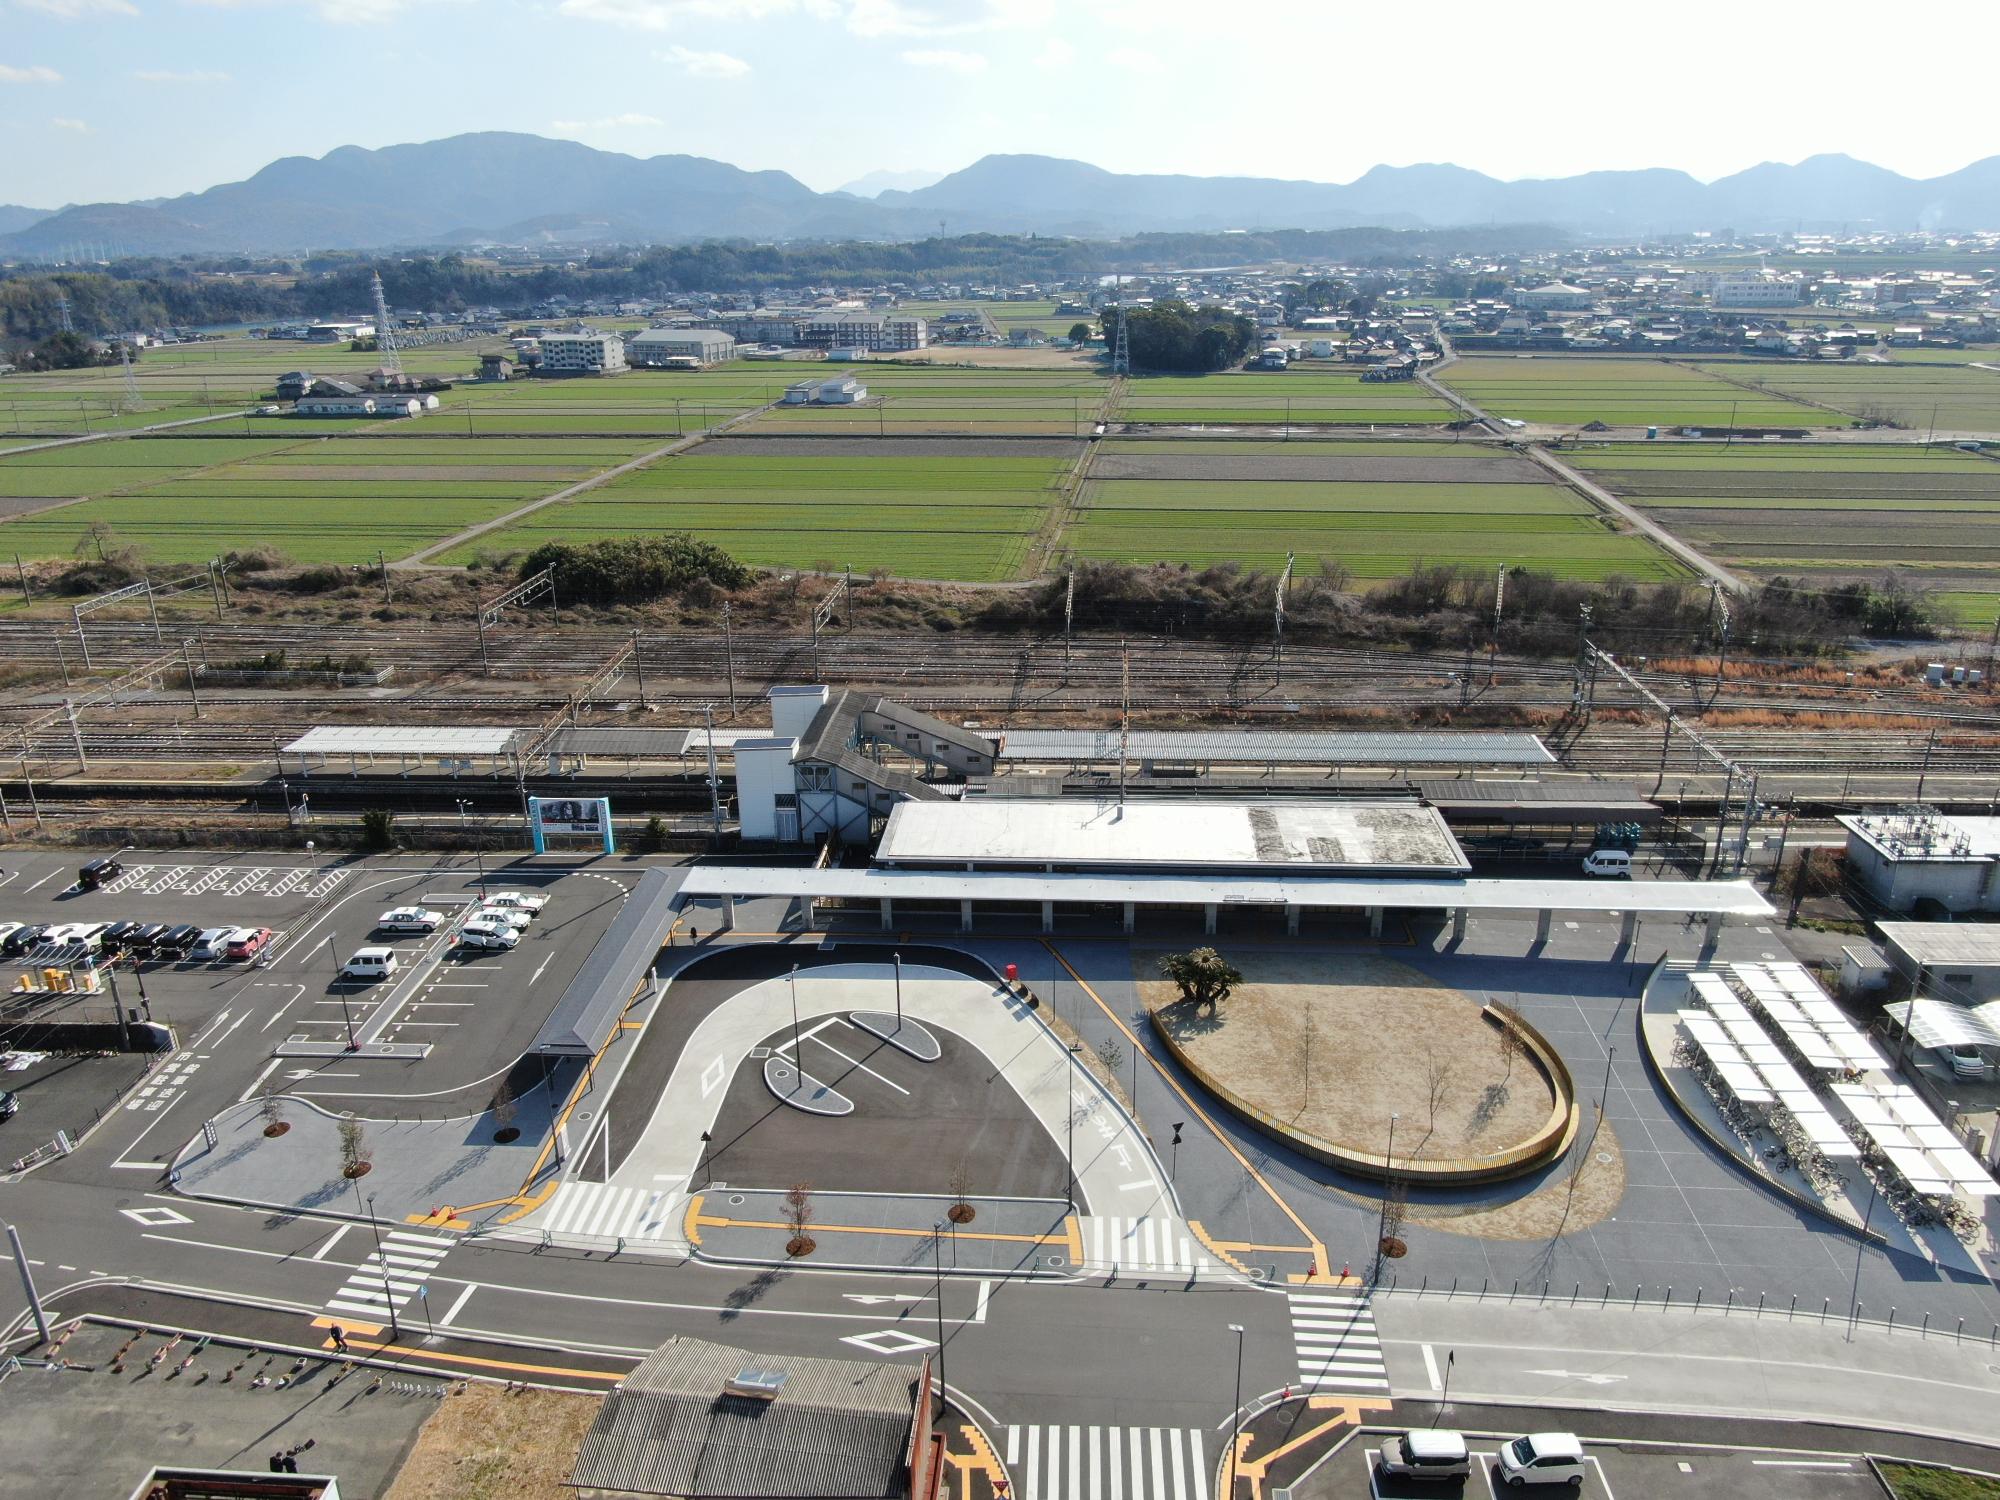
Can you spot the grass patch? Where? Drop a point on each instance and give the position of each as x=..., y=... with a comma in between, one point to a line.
x=487, y=1443
x=1915, y=1482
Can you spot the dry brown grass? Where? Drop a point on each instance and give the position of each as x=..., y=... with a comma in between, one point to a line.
x=488, y=1444
x=1377, y=1024
x=1548, y=1211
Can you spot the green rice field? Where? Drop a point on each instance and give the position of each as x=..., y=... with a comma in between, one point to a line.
x=1620, y=392
x=1332, y=396
x=1952, y=398
x=919, y=516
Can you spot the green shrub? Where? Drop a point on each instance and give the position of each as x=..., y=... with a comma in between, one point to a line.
x=630, y=570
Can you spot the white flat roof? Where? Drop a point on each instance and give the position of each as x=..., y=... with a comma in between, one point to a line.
x=1089, y=831
x=1734, y=898
x=1976, y=943
x=1264, y=746
x=1927, y=837
x=403, y=739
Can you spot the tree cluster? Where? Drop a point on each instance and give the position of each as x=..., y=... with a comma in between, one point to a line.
x=632, y=570
x=1171, y=335
x=62, y=350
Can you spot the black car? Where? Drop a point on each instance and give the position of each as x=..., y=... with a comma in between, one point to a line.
x=177, y=940
x=21, y=941
x=10, y=1103
x=145, y=934
x=99, y=872
x=117, y=938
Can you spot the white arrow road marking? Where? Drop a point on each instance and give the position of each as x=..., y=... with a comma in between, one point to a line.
x=867, y=1299
x=1587, y=1379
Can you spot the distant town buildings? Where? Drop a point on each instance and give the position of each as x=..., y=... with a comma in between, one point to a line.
x=658, y=347
x=872, y=332
x=582, y=353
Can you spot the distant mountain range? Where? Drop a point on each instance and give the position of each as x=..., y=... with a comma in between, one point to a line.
x=14, y=217
x=514, y=189
x=871, y=184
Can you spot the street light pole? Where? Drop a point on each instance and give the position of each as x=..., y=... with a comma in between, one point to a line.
x=798, y=1059
x=1236, y=1412
x=395, y=1329
x=1069, y=1119
x=937, y=1266
x=347, y=1015
x=899, y=990
x=1388, y=1170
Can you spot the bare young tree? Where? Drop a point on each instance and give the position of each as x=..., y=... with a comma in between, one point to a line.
x=1308, y=1039
x=353, y=1146
x=272, y=1108
x=798, y=1214
x=504, y=1106
x=961, y=1210
x=1508, y=1040
x=1437, y=1083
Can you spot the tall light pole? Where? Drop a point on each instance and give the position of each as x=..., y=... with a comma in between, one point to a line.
x=937, y=1268
x=347, y=1015
x=388, y=1296
x=899, y=990
x=1236, y=1411
x=1069, y=1119
x=1388, y=1171
x=798, y=1060
x=478, y=853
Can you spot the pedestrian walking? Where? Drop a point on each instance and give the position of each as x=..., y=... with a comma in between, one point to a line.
x=339, y=1339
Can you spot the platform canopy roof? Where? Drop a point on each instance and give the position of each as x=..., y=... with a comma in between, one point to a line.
x=406, y=739
x=1734, y=898
x=1265, y=746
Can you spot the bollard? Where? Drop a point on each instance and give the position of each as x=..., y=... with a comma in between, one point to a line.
x=1575, y=1292
x=1793, y=1308
x=1426, y=1286
x=1824, y=1304
x=1730, y=1302
x=1454, y=1289
x=1545, y=1291
x=1697, y=1299
x=1855, y=1317
x=1925, y=1331
x=1760, y=1304
x=1960, y=1335
x=1515, y=1291
x=1892, y=1317
x=1668, y=1300
x=1635, y=1296
x=1607, y=1295
x=1482, y=1287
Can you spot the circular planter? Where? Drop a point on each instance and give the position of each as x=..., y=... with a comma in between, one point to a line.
x=800, y=1244
x=273, y=1131
x=961, y=1213
x=1393, y=1248
x=506, y=1134
x=359, y=1169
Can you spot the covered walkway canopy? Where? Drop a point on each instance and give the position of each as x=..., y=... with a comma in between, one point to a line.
x=588, y=1012
x=1293, y=893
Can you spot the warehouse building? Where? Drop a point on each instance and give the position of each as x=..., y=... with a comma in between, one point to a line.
x=658, y=347
x=582, y=353
x=831, y=390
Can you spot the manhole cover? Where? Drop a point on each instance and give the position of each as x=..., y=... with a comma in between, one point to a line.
x=1604, y=1156
x=584, y=1114
x=1054, y=1260
x=735, y=1199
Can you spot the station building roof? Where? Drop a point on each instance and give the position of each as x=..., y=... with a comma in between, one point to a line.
x=1268, y=746
x=1072, y=832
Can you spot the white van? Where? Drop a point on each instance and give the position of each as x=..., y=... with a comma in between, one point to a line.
x=1611, y=864
x=370, y=963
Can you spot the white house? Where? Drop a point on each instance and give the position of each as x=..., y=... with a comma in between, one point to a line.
x=833, y=390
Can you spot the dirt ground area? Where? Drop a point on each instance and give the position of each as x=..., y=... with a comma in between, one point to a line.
x=492, y=1444
x=1548, y=1211
x=1334, y=1044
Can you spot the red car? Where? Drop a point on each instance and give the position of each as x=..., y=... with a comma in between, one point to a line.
x=248, y=943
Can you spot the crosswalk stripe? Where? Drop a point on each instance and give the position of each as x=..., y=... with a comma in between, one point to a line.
x=601, y=1211
x=1336, y=1342
x=1079, y=1462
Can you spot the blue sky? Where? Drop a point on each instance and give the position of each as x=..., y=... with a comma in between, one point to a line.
x=115, y=99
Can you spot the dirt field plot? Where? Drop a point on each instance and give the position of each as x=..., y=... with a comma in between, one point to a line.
x=490, y=1443
x=948, y=400
x=1828, y=512
x=1384, y=463
x=1621, y=392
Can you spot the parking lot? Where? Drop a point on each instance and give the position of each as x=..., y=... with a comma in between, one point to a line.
x=1615, y=1470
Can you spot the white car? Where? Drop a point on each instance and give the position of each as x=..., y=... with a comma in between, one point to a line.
x=504, y=916
x=1541, y=1458
x=409, y=919
x=487, y=935
x=214, y=940
x=518, y=901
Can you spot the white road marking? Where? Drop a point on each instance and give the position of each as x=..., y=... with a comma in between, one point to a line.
x=463, y=1298
x=856, y=1062
x=979, y=1308
x=257, y=1080
x=538, y=969
x=44, y=880
x=1431, y=1368
x=331, y=1240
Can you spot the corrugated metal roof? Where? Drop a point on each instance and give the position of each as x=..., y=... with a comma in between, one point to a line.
x=650, y=744
x=582, y=1021
x=1944, y=942
x=1731, y=898
x=1262, y=746
x=837, y=1428
x=403, y=739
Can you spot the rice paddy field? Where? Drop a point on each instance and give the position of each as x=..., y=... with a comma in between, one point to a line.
x=1953, y=398
x=1930, y=515
x=316, y=499
x=1332, y=395
x=1376, y=508
x=922, y=509
x=1621, y=392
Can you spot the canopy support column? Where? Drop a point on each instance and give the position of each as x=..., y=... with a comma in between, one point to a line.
x=1208, y=918
x=1542, y=920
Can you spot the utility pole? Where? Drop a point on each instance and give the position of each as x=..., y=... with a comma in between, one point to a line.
x=714, y=781
x=1124, y=715
x=1499, y=600
x=21, y=1256
x=639, y=665
x=382, y=563
x=1069, y=621
x=729, y=656
x=1278, y=625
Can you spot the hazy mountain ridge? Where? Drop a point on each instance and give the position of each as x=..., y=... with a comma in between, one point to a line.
x=513, y=188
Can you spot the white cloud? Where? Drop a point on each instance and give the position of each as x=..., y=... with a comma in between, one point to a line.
x=934, y=18
x=951, y=62
x=35, y=73
x=1133, y=60
x=660, y=15
x=338, y=12
x=1055, y=53
x=704, y=64
x=168, y=75
x=71, y=10
x=63, y=123
x=607, y=122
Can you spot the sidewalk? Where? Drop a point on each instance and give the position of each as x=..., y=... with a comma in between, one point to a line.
x=1007, y=1236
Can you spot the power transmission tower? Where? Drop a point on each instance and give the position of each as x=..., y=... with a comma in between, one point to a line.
x=1121, y=349
x=385, y=339
x=62, y=311
x=131, y=380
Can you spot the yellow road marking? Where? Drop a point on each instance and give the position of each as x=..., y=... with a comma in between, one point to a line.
x=1257, y=1470
x=1313, y=1245
x=609, y=1377
x=691, y=1226
x=345, y=1326
x=1074, y=1232
x=1220, y=1253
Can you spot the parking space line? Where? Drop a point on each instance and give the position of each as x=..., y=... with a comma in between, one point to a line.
x=856, y=1062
